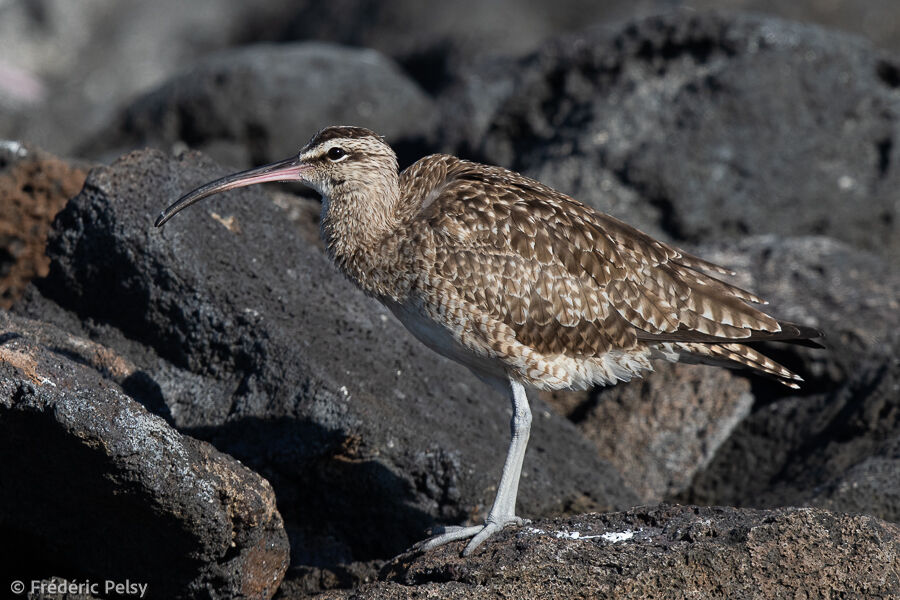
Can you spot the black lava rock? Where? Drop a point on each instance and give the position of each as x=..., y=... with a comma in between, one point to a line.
x=94, y=487
x=251, y=340
x=725, y=124
x=261, y=103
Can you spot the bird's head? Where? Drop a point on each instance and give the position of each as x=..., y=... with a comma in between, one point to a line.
x=338, y=162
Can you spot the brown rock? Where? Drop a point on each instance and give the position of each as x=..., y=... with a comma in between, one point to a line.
x=661, y=430
x=661, y=552
x=836, y=443
x=34, y=186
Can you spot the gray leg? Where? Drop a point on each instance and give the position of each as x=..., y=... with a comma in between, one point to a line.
x=503, y=511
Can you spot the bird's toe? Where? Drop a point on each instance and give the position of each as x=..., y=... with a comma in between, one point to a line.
x=451, y=534
x=487, y=531
x=478, y=533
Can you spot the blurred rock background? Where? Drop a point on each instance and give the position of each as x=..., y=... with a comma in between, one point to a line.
x=69, y=66
x=136, y=365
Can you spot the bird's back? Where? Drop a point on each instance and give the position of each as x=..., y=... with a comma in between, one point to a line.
x=558, y=295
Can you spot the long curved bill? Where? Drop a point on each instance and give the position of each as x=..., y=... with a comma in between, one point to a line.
x=290, y=169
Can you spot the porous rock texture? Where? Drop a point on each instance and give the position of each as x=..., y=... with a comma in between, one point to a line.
x=232, y=328
x=248, y=338
x=662, y=429
x=662, y=552
x=34, y=186
x=713, y=125
x=834, y=443
x=97, y=487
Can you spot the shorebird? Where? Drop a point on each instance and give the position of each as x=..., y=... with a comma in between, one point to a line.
x=517, y=281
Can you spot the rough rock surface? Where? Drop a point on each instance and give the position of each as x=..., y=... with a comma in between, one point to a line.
x=34, y=186
x=69, y=66
x=660, y=430
x=254, y=342
x=261, y=103
x=837, y=449
x=852, y=295
x=725, y=124
x=837, y=444
x=95, y=487
x=234, y=329
x=663, y=552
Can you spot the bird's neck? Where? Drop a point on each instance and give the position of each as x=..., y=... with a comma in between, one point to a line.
x=359, y=227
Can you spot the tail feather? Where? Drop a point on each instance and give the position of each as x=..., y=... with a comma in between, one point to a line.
x=739, y=356
x=790, y=333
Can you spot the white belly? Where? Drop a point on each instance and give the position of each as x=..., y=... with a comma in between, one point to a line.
x=442, y=340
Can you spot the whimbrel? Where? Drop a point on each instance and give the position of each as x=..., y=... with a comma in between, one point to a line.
x=518, y=282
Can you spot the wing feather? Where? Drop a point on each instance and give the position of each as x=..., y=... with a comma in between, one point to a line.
x=570, y=280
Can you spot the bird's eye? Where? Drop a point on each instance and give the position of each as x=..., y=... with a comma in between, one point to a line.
x=336, y=153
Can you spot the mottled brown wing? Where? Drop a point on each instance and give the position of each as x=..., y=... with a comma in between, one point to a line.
x=571, y=280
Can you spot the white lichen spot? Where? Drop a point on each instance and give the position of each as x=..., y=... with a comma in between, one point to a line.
x=616, y=537
x=574, y=535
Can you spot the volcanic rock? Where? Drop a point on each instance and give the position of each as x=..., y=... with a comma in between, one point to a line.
x=95, y=487
x=725, y=124
x=662, y=552
x=250, y=339
x=261, y=103
x=34, y=186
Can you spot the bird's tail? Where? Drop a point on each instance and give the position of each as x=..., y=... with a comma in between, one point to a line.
x=735, y=355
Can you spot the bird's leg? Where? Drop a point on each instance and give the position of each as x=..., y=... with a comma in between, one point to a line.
x=503, y=511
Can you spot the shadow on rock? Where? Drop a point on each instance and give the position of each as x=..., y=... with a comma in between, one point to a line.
x=76, y=497
x=338, y=500
x=94, y=486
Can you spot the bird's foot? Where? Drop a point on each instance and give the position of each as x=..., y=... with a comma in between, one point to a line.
x=478, y=533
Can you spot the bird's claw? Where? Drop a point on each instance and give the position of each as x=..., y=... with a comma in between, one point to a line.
x=478, y=533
